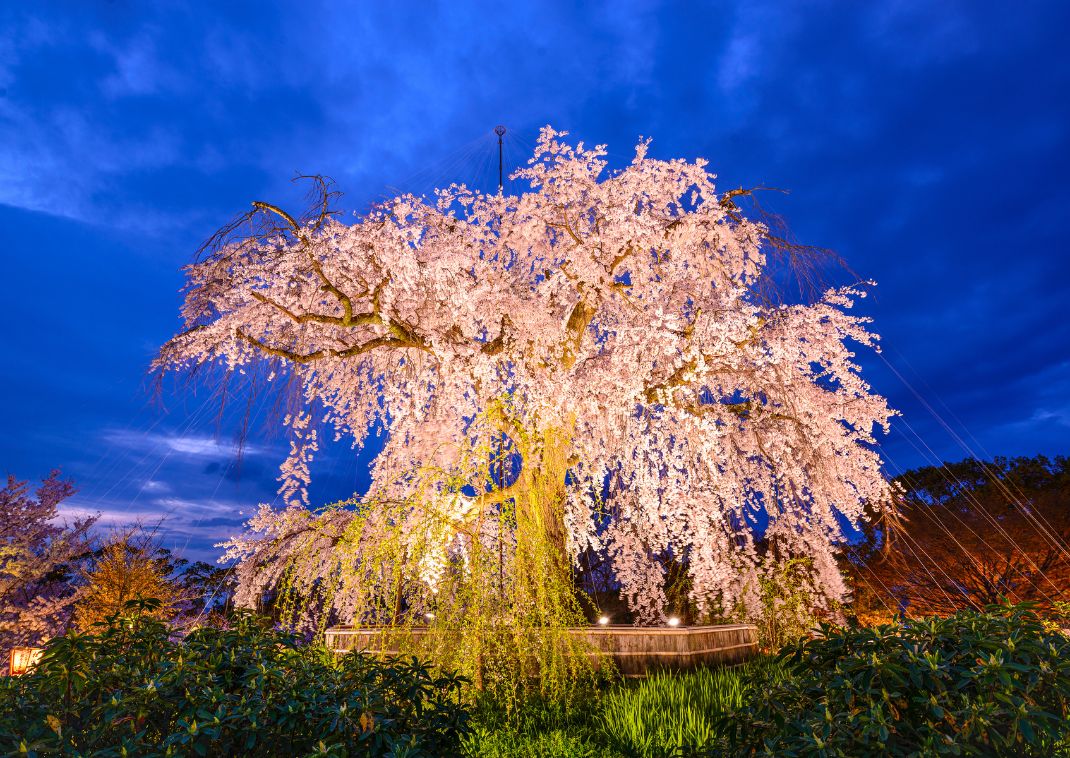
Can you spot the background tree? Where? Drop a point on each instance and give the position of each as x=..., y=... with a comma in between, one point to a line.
x=37, y=560
x=614, y=333
x=970, y=533
x=208, y=589
x=129, y=566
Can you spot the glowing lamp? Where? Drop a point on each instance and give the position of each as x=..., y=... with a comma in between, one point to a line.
x=23, y=659
x=674, y=621
x=429, y=616
x=603, y=620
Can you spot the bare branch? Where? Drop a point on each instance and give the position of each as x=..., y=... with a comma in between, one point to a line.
x=278, y=212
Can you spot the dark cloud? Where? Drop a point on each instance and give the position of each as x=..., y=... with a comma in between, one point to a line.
x=232, y=524
x=235, y=471
x=927, y=143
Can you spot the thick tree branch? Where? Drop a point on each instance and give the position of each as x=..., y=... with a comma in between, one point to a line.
x=496, y=345
x=364, y=347
x=261, y=206
x=360, y=319
x=302, y=236
x=579, y=319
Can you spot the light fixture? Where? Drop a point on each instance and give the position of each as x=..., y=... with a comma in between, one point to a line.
x=429, y=616
x=22, y=659
x=674, y=621
x=603, y=620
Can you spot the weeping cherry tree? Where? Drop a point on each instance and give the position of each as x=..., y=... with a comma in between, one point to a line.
x=594, y=364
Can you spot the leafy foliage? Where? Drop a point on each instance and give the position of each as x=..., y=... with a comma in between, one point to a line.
x=786, y=610
x=540, y=729
x=132, y=690
x=987, y=683
x=127, y=567
x=977, y=683
x=665, y=715
x=207, y=589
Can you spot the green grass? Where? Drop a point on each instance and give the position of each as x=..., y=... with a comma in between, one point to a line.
x=538, y=730
x=676, y=714
x=555, y=743
x=663, y=715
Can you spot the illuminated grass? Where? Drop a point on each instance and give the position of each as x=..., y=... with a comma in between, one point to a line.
x=669, y=714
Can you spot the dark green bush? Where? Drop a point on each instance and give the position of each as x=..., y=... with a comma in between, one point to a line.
x=992, y=683
x=131, y=690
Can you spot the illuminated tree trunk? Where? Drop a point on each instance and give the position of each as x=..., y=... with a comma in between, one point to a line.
x=542, y=580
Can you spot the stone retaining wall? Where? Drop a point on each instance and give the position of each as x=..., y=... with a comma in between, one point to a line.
x=637, y=651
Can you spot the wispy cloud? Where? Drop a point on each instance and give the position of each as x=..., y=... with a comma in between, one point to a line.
x=193, y=526
x=190, y=445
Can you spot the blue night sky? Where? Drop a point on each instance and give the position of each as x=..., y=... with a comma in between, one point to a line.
x=927, y=143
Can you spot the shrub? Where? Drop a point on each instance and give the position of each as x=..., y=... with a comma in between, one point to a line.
x=788, y=598
x=991, y=683
x=678, y=714
x=131, y=690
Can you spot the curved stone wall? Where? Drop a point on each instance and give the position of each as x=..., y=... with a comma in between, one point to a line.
x=637, y=651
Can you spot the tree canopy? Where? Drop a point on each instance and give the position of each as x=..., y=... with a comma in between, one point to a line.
x=611, y=332
x=129, y=566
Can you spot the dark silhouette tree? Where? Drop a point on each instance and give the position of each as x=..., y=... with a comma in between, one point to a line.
x=969, y=534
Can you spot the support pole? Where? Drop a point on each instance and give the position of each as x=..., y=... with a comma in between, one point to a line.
x=500, y=131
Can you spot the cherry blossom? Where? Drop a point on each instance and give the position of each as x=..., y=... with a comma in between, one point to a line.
x=617, y=318
x=37, y=557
